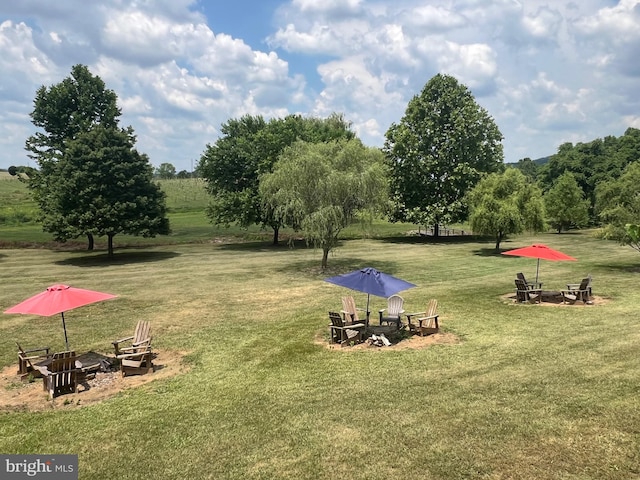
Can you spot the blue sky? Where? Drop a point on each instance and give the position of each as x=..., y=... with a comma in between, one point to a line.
x=548, y=72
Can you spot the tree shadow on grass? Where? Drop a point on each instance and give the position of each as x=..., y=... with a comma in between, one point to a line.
x=263, y=246
x=336, y=266
x=491, y=252
x=122, y=258
x=430, y=240
x=628, y=267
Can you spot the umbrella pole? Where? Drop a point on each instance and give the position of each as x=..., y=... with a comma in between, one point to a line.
x=537, y=269
x=64, y=326
x=367, y=311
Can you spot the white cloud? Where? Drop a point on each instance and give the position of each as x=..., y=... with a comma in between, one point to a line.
x=544, y=24
x=433, y=18
x=328, y=6
x=545, y=71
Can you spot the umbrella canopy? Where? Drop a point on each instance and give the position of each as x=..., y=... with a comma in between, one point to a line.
x=372, y=282
x=58, y=299
x=539, y=251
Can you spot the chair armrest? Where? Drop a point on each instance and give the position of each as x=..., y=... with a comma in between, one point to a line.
x=41, y=349
x=409, y=315
x=116, y=342
x=572, y=286
x=133, y=349
x=131, y=355
x=532, y=290
x=141, y=342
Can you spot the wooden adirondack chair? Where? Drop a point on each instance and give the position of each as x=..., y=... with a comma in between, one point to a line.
x=394, y=310
x=424, y=323
x=25, y=361
x=138, y=360
x=526, y=294
x=343, y=333
x=141, y=337
x=582, y=292
x=60, y=375
x=350, y=312
x=529, y=285
x=576, y=286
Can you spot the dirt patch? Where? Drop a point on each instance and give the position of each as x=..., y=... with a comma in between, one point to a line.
x=30, y=396
x=556, y=301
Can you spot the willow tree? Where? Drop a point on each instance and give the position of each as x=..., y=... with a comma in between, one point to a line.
x=320, y=188
x=248, y=148
x=444, y=144
x=504, y=204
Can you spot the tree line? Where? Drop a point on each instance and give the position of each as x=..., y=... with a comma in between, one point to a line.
x=442, y=163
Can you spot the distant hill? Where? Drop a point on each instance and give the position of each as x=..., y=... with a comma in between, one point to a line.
x=538, y=161
x=541, y=160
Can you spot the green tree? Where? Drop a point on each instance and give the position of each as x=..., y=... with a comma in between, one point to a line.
x=75, y=116
x=247, y=149
x=633, y=233
x=166, y=171
x=62, y=112
x=565, y=204
x=505, y=203
x=618, y=204
x=319, y=188
x=106, y=187
x=592, y=163
x=440, y=149
x=528, y=167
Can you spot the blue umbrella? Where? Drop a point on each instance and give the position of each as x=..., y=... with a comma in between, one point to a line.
x=372, y=282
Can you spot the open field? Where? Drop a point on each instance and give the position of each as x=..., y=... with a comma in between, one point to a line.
x=527, y=391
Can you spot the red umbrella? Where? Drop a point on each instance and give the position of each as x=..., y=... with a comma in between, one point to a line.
x=539, y=251
x=58, y=299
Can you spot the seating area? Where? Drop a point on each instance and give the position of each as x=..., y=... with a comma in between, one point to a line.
x=346, y=328
x=532, y=292
x=62, y=372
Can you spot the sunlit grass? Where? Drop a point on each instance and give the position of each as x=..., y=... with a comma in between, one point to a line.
x=529, y=392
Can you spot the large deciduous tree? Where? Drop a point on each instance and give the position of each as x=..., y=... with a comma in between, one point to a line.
x=90, y=180
x=565, y=204
x=505, y=203
x=248, y=148
x=319, y=188
x=440, y=149
x=105, y=187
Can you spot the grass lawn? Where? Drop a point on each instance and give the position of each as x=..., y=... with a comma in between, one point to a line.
x=529, y=392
